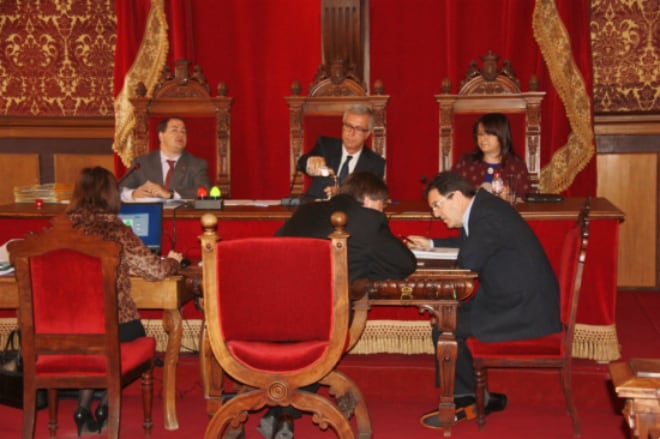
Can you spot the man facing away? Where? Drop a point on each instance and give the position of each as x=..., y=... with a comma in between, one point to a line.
x=169, y=172
x=518, y=294
x=373, y=253
x=332, y=159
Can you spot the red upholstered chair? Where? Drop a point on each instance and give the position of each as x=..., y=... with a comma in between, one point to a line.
x=275, y=328
x=68, y=322
x=552, y=351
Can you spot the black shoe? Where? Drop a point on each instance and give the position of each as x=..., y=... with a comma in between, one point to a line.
x=101, y=414
x=84, y=420
x=496, y=402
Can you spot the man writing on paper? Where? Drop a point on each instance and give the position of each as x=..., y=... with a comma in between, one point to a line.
x=518, y=294
x=168, y=173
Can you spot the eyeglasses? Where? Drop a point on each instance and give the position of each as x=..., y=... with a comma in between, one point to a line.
x=352, y=129
x=438, y=203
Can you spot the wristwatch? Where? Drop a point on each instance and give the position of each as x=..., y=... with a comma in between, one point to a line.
x=171, y=195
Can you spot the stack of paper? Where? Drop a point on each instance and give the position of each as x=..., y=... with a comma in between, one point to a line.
x=49, y=193
x=443, y=253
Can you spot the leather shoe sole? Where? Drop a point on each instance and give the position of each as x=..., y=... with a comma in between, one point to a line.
x=466, y=413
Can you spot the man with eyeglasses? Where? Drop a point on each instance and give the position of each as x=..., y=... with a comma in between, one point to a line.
x=518, y=293
x=332, y=159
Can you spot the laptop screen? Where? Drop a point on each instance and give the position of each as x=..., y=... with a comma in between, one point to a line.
x=146, y=220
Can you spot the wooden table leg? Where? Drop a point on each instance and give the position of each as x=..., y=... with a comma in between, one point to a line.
x=174, y=329
x=447, y=351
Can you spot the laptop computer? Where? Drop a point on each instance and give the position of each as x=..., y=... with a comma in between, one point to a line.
x=146, y=220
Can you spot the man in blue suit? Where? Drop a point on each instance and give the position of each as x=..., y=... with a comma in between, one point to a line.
x=169, y=172
x=518, y=294
x=331, y=159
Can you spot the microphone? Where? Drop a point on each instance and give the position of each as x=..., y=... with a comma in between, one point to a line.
x=130, y=171
x=291, y=201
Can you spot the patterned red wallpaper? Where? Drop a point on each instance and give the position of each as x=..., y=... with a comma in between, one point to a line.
x=625, y=41
x=56, y=58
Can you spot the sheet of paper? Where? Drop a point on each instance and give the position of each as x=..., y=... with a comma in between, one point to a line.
x=445, y=253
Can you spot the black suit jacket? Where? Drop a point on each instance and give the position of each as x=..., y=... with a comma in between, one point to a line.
x=373, y=251
x=330, y=149
x=189, y=173
x=518, y=294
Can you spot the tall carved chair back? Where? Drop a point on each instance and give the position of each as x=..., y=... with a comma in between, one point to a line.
x=275, y=329
x=335, y=89
x=69, y=324
x=490, y=89
x=553, y=351
x=185, y=93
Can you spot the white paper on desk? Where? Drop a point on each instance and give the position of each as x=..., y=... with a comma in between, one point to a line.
x=258, y=203
x=443, y=253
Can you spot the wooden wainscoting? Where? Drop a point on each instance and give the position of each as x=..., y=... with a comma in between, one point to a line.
x=68, y=166
x=630, y=182
x=17, y=170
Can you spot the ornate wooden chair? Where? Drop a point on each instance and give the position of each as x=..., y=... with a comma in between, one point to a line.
x=489, y=89
x=335, y=88
x=275, y=329
x=552, y=351
x=208, y=120
x=68, y=321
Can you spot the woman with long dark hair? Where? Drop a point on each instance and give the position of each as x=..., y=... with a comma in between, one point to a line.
x=93, y=208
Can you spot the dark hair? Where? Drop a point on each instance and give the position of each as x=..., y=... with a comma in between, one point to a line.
x=96, y=190
x=162, y=125
x=498, y=125
x=447, y=182
x=361, y=185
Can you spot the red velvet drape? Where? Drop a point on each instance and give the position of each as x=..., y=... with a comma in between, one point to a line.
x=131, y=21
x=258, y=47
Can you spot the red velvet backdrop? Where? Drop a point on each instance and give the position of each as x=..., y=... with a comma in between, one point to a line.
x=258, y=47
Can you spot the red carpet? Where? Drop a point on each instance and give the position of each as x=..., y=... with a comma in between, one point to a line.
x=398, y=392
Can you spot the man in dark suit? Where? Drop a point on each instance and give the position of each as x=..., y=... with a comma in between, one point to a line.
x=373, y=252
x=168, y=173
x=331, y=160
x=518, y=294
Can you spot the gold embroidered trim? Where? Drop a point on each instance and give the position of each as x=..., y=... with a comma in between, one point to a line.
x=395, y=337
x=555, y=45
x=149, y=62
x=598, y=343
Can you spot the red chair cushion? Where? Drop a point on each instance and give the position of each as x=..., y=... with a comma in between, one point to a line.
x=54, y=275
x=290, y=299
x=133, y=353
x=550, y=346
x=278, y=357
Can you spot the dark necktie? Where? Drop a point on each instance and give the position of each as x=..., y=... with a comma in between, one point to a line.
x=343, y=172
x=168, y=176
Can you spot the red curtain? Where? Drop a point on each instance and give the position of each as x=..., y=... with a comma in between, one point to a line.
x=131, y=22
x=258, y=47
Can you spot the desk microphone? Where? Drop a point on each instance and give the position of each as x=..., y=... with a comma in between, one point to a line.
x=130, y=171
x=291, y=201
